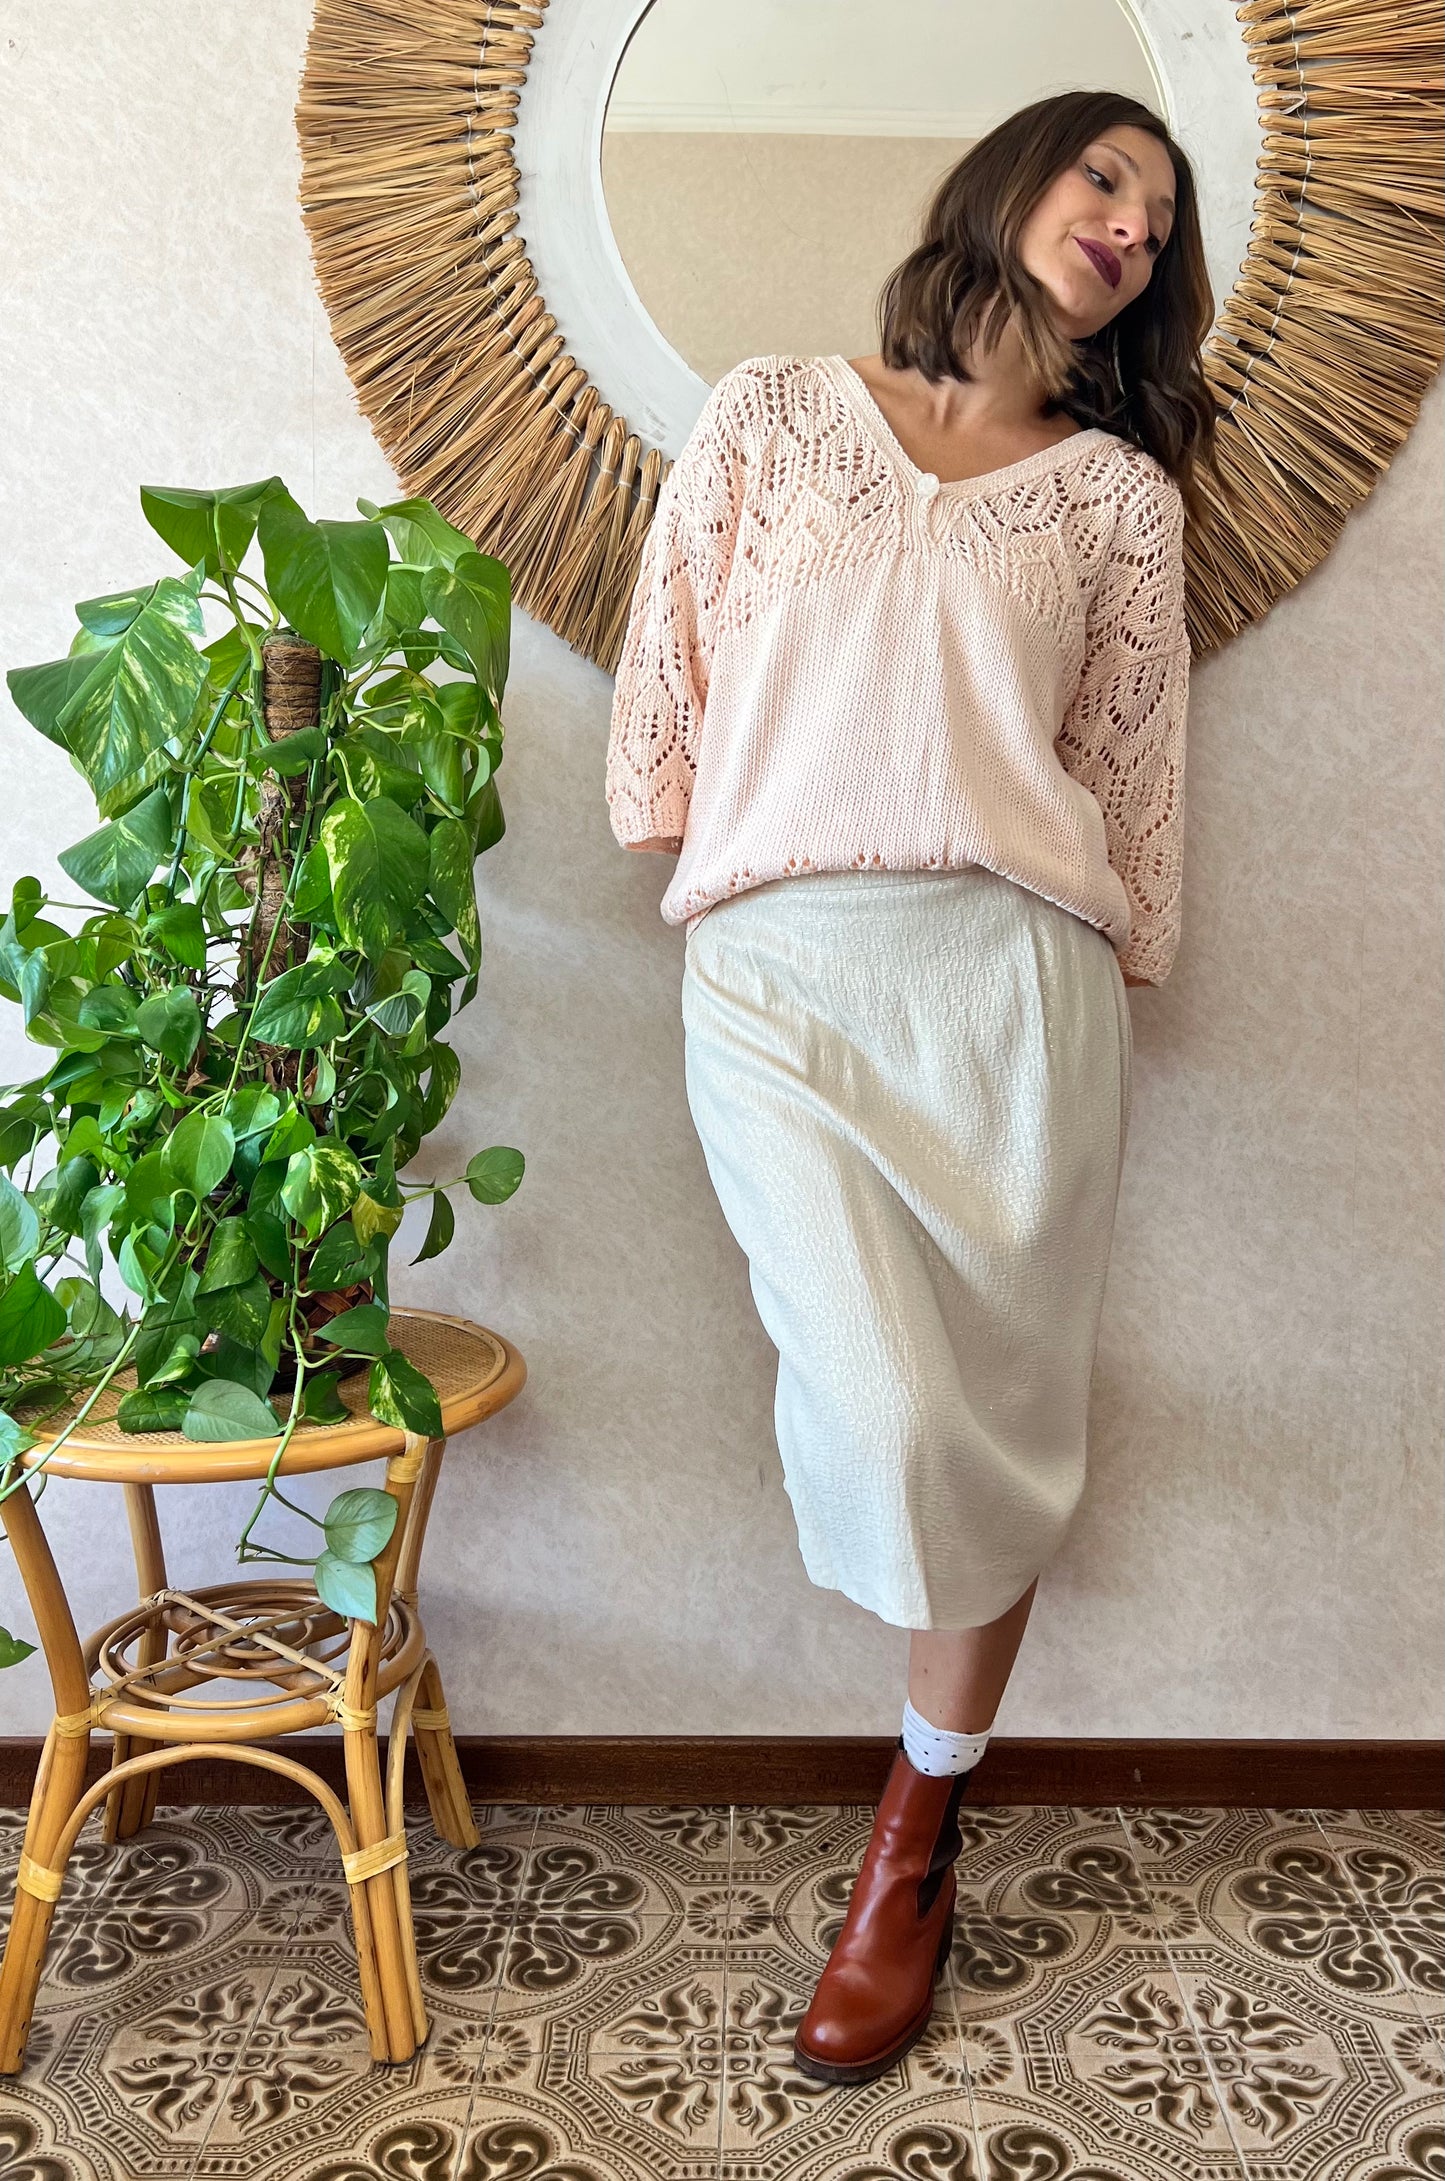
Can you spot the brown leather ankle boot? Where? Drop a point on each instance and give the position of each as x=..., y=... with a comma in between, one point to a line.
x=875, y=1995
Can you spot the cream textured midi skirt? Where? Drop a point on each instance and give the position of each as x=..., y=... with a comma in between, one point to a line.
x=912, y=1091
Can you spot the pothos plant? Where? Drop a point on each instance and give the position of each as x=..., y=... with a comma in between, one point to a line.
x=244, y=1030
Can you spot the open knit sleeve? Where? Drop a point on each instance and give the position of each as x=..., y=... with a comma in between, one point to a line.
x=1123, y=731
x=662, y=671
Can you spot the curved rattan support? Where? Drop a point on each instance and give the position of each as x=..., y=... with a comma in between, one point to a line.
x=1318, y=359
x=153, y=1696
x=154, y=1760
x=41, y=1880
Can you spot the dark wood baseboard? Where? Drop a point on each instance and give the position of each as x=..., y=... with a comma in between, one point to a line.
x=680, y=1770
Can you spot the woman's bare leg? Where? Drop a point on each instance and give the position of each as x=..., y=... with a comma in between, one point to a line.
x=956, y=1676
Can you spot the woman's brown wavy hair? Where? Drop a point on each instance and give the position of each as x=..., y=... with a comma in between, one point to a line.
x=1140, y=376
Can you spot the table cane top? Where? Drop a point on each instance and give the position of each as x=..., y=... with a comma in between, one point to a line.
x=475, y=1372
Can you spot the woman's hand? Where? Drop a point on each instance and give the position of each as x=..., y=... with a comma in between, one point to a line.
x=664, y=845
x=1132, y=980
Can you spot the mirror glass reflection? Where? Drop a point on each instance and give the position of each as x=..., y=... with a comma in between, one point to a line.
x=766, y=162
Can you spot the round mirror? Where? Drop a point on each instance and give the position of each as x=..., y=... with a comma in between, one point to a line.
x=765, y=165
x=533, y=346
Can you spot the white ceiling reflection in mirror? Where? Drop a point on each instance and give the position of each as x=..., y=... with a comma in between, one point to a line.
x=702, y=182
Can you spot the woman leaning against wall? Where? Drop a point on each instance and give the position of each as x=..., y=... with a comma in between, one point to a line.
x=904, y=688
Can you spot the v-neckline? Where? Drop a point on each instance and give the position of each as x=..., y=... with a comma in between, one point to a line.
x=859, y=395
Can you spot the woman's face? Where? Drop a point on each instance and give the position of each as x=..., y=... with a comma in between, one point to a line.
x=1116, y=199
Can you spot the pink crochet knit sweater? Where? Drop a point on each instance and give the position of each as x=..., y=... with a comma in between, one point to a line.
x=833, y=662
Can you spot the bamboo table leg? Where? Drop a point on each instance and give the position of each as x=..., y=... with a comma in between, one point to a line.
x=436, y=1751
x=59, y=1783
x=133, y=1804
x=377, y=1851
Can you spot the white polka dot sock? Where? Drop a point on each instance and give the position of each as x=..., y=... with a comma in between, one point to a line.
x=937, y=1752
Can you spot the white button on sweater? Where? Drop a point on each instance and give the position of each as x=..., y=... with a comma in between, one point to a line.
x=835, y=662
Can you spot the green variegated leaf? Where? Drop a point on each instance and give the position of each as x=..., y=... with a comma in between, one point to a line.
x=298, y=1009
x=472, y=601
x=484, y=816
x=73, y=1184
x=327, y=577
x=141, y=691
x=153, y=1408
x=197, y=1154
x=170, y=1023
x=442, y=1227
x=442, y=766
x=496, y=1174
x=359, y=1523
x=339, y=1260
x=322, y=1182
x=312, y=898
x=30, y=1317
x=137, y=1264
x=15, y=1439
x=224, y=1409
x=379, y=868
x=230, y=1257
x=292, y=1132
x=422, y=537
x=169, y=1364
x=400, y=1395
x=451, y=885
x=214, y=527
x=41, y=693
x=361, y=1331
x=321, y=1403
x=347, y=1589
x=109, y=1007
x=253, y=1368
x=291, y=754
x=396, y=1014
x=268, y=1232
x=442, y=1084
x=241, y=1312
x=114, y=863
x=371, y=1219
x=19, y=1227
x=181, y=931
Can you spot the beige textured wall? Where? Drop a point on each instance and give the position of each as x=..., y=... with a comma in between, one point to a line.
x=1258, y=1552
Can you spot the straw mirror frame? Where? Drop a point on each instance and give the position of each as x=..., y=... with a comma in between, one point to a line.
x=449, y=150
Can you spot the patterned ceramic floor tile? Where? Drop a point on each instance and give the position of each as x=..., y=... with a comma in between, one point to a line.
x=1063, y=1983
x=1163, y=1995
x=1099, y=2051
x=1316, y=2054
x=777, y=2121
x=1285, y=1897
x=420, y=2137
x=125, y=2068
x=1040, y=1892
x=1395, y=1861
x=78, y=1946
x=1311, y=2090
x=775, y=1849
x=596, y=1859
x=615, y=2062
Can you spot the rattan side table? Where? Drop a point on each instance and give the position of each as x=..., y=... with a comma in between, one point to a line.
x=139, y=1675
